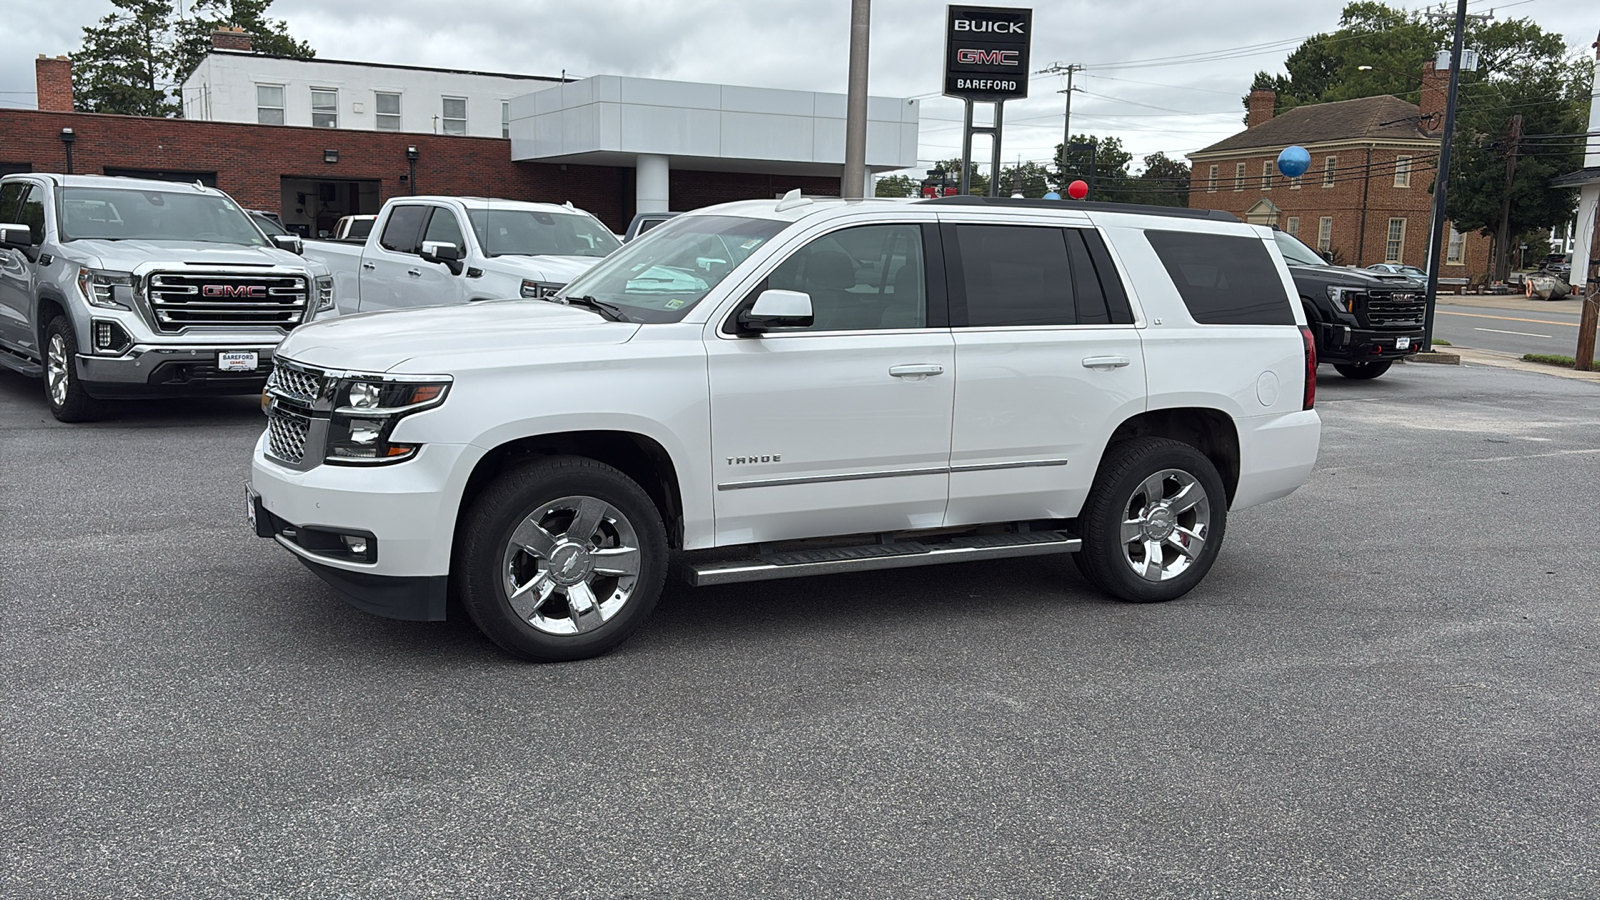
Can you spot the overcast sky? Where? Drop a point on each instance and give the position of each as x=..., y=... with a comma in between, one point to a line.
x=1159, y=75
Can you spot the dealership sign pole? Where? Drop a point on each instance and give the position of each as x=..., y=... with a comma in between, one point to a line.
x=986, y=61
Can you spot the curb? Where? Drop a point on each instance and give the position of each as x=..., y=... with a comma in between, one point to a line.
x=1500, y=360
x=1439, y=357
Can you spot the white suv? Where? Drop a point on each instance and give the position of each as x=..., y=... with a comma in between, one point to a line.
x=768, y=389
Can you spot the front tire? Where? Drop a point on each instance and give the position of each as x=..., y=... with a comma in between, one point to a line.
x=1154, y=521
x=562, y=559
x=69, y=402
x=1363, y=371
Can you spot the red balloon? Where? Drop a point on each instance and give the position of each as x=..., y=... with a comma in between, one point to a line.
x=1078, y=190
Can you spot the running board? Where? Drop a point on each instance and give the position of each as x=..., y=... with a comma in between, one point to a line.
x=867, y=557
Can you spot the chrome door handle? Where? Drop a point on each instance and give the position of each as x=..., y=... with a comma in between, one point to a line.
x=415, y=273
x=1105, y=362
x=369, y=267
x=917, y=371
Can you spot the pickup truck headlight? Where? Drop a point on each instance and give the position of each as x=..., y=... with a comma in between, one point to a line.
x=324, y=292
x=1344, y=297
x=539, y=290
x=100, y=287
x=366, y=410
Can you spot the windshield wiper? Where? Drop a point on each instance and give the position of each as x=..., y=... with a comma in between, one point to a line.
x=608, y=311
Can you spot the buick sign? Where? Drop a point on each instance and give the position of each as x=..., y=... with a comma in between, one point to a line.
x=986, y=53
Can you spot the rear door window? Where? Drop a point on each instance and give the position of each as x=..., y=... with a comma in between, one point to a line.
x=1223, y=279
x=1014, y=275
x=403, y=231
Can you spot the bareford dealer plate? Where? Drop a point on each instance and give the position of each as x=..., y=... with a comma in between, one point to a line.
x=237, y=361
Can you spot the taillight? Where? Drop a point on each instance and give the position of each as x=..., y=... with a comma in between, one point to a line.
x=1310, y=398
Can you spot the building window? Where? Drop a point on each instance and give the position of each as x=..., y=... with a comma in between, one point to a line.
x=1238, y=176
x=1266, y=174
x=1455, y=253
x=1211, y=180
x=455, y=115
x=1328, y=165
x=324, y=108
x=387, y=106
x=1402, y=171
x=1325, y=233
x=269, y=104
x=505, y=118
x=1293, y=226
x=1395, y=247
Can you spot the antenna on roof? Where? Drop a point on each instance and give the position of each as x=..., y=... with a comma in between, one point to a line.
x=791, y=200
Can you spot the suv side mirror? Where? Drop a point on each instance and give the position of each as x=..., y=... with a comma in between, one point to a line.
x=778, y=309
x=289, y=242
x=1327, y=255
x=443, y=252
x=16, y=236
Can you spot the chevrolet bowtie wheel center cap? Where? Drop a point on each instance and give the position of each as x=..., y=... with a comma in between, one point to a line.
x=1159, y=523
x=569, y=564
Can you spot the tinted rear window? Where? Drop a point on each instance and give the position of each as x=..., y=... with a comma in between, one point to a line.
x=1224, y=280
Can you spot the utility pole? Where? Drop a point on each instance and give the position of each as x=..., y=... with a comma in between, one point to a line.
x=854, y=182
x=1442, y=177
x=1066, y=119
x=1502, y=235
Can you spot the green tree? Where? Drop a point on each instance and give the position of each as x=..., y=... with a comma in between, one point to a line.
x=1164, y=181
x=897, y=186
x=1028, y=178
x=1111, y=181
x=125, y=62
x=192, y=37
x=952, y=167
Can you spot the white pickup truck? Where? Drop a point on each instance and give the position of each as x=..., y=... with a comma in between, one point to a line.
x=773, y=389
x=439, y=251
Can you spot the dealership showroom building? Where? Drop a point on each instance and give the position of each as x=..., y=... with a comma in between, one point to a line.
x=313, y=140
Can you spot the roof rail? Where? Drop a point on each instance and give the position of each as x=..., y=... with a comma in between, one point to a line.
x=1142, y=209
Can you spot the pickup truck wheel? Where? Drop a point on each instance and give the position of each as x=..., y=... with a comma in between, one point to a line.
x=68, y=400
x=1363, y=371
x=1154, y=521
x=563, y=559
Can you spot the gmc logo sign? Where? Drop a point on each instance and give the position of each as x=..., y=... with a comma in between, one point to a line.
x=987, y=57
x=234, y=290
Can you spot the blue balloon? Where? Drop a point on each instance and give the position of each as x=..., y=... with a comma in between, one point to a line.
x=1294, y=161
x=1052, y=195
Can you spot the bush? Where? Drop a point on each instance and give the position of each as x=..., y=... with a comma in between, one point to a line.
x=1551, y=359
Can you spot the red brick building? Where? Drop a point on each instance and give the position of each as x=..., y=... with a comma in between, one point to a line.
x=1366, y=197
x=321, y=173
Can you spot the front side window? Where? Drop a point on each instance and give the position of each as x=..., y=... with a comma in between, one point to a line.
x=324, y=108
x=180, y=215
x=387, y=107
x=454, y=120
x=661, y=278
x=269, y=104
x=1223, y=279
x=444, y=227
x=9, y=195
x=859, y=279
x=403, y=232
x=1294, y=251
x=1395, y=247
x=31, y=214
x=524, y=232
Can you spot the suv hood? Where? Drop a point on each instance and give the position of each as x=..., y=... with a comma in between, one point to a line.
x=550, y=269
x=1346, y=276
x=125, y=256
x=443, y=335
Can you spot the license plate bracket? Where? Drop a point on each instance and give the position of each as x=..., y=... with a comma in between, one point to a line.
x=1403, y=343
x=238, y=360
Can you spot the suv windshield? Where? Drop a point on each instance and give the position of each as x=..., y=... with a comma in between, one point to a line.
x=525, y=232
x=119, y=214
x=1295, y=252
x=660, y=277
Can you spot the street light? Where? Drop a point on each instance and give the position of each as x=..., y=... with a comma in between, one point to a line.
x=67, y=137
x=411, y=161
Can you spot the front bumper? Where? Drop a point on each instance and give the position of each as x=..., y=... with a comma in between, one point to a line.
x=147, y=370
x=1348, y=343
x=408, y=510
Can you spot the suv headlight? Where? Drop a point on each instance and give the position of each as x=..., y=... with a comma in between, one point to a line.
x=1345, y=297
x=106, y=289
x=366, y=410
x=324, y=292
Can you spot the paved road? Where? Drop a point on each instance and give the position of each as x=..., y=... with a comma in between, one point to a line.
x=1386, y=688
x=1548, y=327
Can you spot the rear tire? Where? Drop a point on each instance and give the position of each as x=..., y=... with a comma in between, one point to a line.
x=562, y=559
x=1363, y=371
x=68, y=400
x=1154, y=521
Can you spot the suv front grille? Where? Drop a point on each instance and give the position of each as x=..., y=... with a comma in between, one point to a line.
x=294, y=383
x=1395, y=309
x=287, y=431
x=183, y=299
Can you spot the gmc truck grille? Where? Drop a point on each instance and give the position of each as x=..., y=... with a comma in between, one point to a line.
x=1395, y=309
x=286, y=434
x=184, y=299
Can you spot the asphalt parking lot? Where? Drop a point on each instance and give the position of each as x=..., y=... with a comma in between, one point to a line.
x=1389, y=686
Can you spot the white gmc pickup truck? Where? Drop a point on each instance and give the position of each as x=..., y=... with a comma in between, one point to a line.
x=770, y=389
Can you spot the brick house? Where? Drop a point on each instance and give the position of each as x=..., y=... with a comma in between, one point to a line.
x=1367, y=197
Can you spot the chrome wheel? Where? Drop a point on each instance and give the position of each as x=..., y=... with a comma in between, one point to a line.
x=57, y=359
x=571, y=565
x=1165, y=525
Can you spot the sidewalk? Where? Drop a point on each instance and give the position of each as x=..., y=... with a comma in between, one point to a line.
x=1471, y=357
x=1572, y=304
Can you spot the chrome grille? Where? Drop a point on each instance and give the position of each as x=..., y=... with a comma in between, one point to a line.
x=295, y=383
x=183, y=299
x=286, y=434
x=1395, y=309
